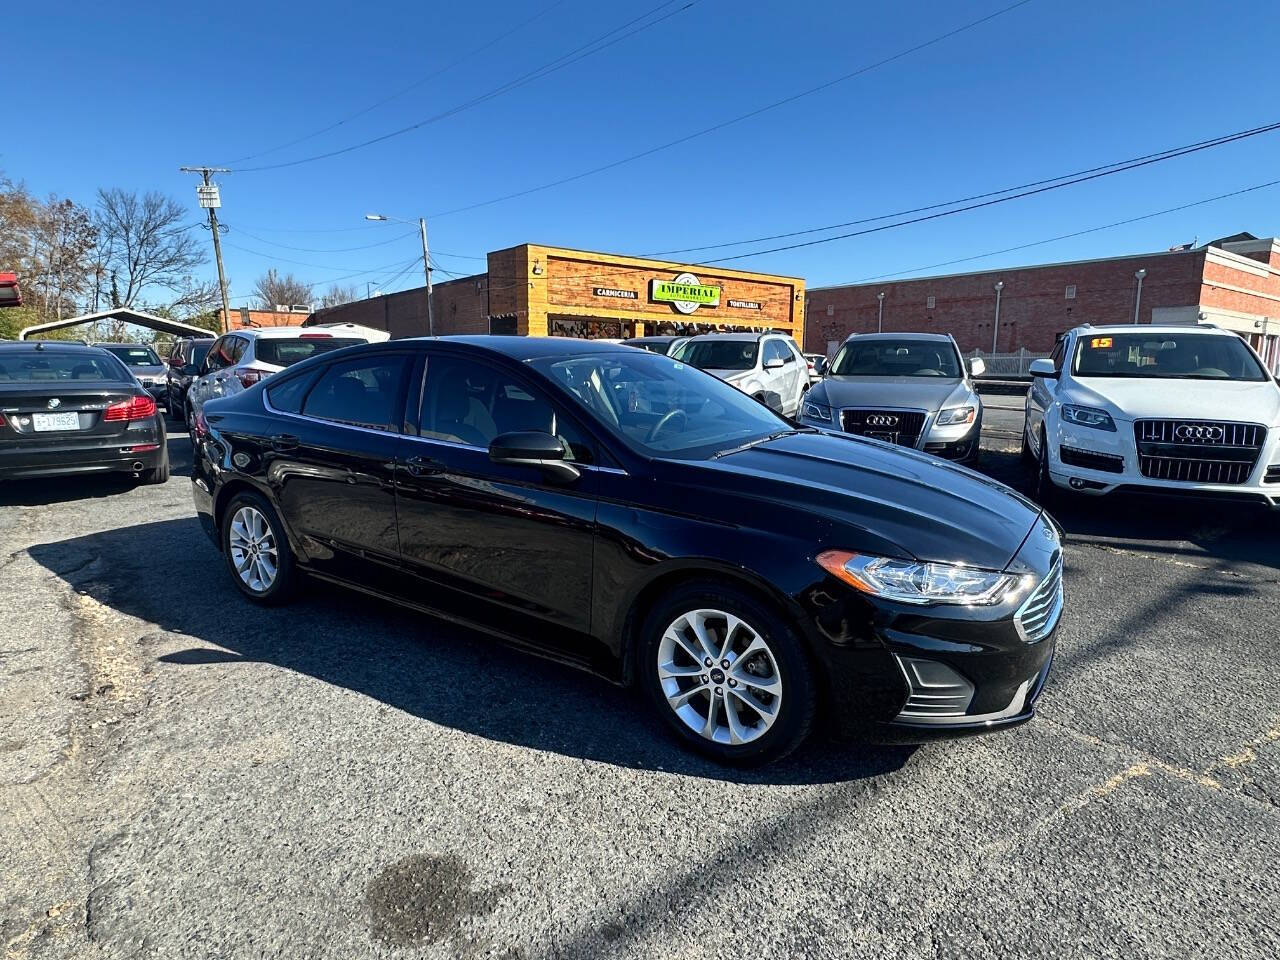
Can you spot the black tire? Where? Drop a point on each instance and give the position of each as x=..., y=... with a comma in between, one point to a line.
x=286, y=571
x=1046, y=491
x=171, y=407
x=158, y=474
x=798, y=691
x=1025, y=455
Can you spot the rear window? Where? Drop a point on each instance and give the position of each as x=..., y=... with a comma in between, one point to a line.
x=135, y=356
x=285, y=353
x=38, y=366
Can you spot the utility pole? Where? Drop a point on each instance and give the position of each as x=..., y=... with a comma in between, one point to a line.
x=211, y=200
x=426, y=268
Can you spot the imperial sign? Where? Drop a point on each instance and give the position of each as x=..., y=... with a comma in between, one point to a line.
x=684, y=293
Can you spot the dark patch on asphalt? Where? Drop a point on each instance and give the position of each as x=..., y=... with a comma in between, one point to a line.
x=423, y=899
x=12, y=746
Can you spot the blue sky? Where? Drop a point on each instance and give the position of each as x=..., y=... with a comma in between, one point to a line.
x=122, y=95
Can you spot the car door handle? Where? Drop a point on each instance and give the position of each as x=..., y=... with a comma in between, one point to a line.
x=284, y=441
x=422, y=466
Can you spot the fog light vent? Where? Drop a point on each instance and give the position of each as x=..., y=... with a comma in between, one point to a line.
x=936, y=690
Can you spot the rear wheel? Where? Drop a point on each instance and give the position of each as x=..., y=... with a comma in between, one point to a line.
x=159, y=474
x=256, y=550
x=727, y=674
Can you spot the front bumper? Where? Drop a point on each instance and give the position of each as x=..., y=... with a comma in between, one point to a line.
x=1098, y=462
x=957, y=442
x=901, y=673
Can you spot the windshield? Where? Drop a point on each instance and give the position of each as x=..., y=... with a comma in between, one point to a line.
x=285, y=353
x=661, y=406
x=39, y=366
x=1191, y=356
x=135, y=356
x=718, y=354
x=896, y=358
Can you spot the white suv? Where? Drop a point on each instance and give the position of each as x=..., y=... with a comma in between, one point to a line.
x=1170, y=408
x=238, y=360
x=767, y=366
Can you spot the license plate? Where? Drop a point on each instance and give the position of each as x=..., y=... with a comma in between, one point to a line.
x=887, y=437
x=55, y=421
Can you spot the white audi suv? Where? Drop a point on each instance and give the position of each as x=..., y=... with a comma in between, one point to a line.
x=1186, y=409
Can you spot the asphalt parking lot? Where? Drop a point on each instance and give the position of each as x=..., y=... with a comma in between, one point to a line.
x=185, y=775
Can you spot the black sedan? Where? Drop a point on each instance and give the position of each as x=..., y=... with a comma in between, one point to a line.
x=626, y=513
x=68, y=408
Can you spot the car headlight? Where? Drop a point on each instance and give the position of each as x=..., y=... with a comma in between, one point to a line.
x=910, y=581
x=954, y=415
x=1088, y=417
x=816, y=411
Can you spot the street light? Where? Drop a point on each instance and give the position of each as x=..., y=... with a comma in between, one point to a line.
x=880, y=313
x=426, y=258
x=1137, y=302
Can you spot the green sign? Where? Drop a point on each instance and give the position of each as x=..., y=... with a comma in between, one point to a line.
x=685, y=293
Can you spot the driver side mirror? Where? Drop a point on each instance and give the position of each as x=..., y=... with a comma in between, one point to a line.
x=820, y=366
x=1043, y=368
x=774, y=364
x=534, y=449
x=977, y=367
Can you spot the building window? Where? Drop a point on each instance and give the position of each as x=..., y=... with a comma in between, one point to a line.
x=1071, y=291
x=931, y=302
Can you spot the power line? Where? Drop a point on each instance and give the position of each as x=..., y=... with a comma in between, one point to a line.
x=573, y=56
x=1106, y=172
x=402, y=91
x=738, y=119
x=1068, y=236
x=1159, y=155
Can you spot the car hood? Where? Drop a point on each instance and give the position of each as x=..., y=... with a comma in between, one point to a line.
x=728, y=374
x=917, y=393
x=930, y=509
x=1136, y=398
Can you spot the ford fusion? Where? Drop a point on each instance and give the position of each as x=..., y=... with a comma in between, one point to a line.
x=1172, y=409
x=911, y=389
x=626, y=513
x=70, y=408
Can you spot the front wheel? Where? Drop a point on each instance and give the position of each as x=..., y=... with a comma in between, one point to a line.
x=1046, y=491
x=727, y=674
x=256, y=550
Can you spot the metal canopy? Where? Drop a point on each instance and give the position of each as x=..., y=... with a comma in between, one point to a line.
x=120, y=313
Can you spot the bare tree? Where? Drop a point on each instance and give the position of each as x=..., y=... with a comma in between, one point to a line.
x=146, y=242
x=272, y=289
x=336, y=295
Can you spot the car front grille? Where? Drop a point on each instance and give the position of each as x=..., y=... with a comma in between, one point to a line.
x=1040, y=612
x=900, y=426
x=1198, y=451
x=1090, y=460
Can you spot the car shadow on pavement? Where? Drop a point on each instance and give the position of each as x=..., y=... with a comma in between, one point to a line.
x=46, y=491
x=1216, y=529
x=411, y=662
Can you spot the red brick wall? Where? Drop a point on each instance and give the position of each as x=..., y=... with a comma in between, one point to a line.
x=458, y=308
x=1033, y=304
x=1259, y=295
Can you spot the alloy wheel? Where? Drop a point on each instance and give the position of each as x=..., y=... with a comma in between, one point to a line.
x=252, y=545
x=719, y=676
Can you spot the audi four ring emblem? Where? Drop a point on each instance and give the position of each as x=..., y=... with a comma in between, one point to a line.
x=1198, y=431
x=882, y=420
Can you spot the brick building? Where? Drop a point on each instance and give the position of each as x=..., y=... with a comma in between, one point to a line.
x=244, y=317
x=540, y=291
x=1233, y=282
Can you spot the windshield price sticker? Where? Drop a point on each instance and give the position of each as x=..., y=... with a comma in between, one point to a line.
x=1101, y=343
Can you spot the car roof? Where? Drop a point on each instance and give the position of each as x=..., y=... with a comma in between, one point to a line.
x=526, y=348
x=48, y=346
x=656, y=338
x=1152, y=328
x=272, y=332
x=905, y=335
x=740, y=337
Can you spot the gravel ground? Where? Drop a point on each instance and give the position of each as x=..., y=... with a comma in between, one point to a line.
x=184, y=775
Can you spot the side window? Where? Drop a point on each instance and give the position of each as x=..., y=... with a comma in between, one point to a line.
x=214, y=360
x=287, y=397
x=238, y=347
x=775, y=350
x=465, y=401
x=364, y=392
x=1059, y=350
